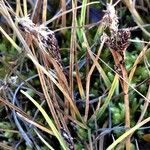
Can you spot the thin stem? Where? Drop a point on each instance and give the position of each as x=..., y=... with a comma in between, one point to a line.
x=125, y=87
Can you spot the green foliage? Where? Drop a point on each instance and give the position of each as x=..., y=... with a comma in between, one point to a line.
x=138, y=45
x=118, y=113
x=141, y=73
x=5, y=125
x=130, y=59
x=3, y=47
x=83, y=134
x=79, y=147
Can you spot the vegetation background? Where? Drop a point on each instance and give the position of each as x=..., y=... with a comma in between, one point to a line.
x=63, y=85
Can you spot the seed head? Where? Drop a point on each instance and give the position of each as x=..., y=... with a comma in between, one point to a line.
x=118, y=41
x=26, y=23
x=110, y=19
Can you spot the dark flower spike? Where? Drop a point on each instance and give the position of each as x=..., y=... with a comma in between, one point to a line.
x=45, y=37
x=26, y=24
x=119, y=41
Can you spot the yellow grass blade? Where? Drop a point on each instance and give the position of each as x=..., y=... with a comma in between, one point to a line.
x=49, y=121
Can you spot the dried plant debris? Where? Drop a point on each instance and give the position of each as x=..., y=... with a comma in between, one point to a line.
x=45, y=37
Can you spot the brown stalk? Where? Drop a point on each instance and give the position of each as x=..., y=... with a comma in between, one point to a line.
x=46, y=94
x=56, y=104
x=29, y=38
x=10, y=105
x=63, y=82
x=49, y=92
x=72, y=48
x=44, y=14
x=88, y=81
x=49, y=88
x=63, y=7
x=123, y=72
x=36, y=11
x=79, y=82
x=117, y=42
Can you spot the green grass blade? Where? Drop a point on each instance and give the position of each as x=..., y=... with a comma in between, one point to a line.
x=132, y=130
x=49, y=121
x=110, y=94
x=10, y=40
x=83, y=13
x=43, y=140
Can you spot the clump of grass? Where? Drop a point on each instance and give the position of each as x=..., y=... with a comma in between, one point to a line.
x=78, y=93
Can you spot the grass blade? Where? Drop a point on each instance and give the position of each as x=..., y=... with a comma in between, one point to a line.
x=49, y=121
